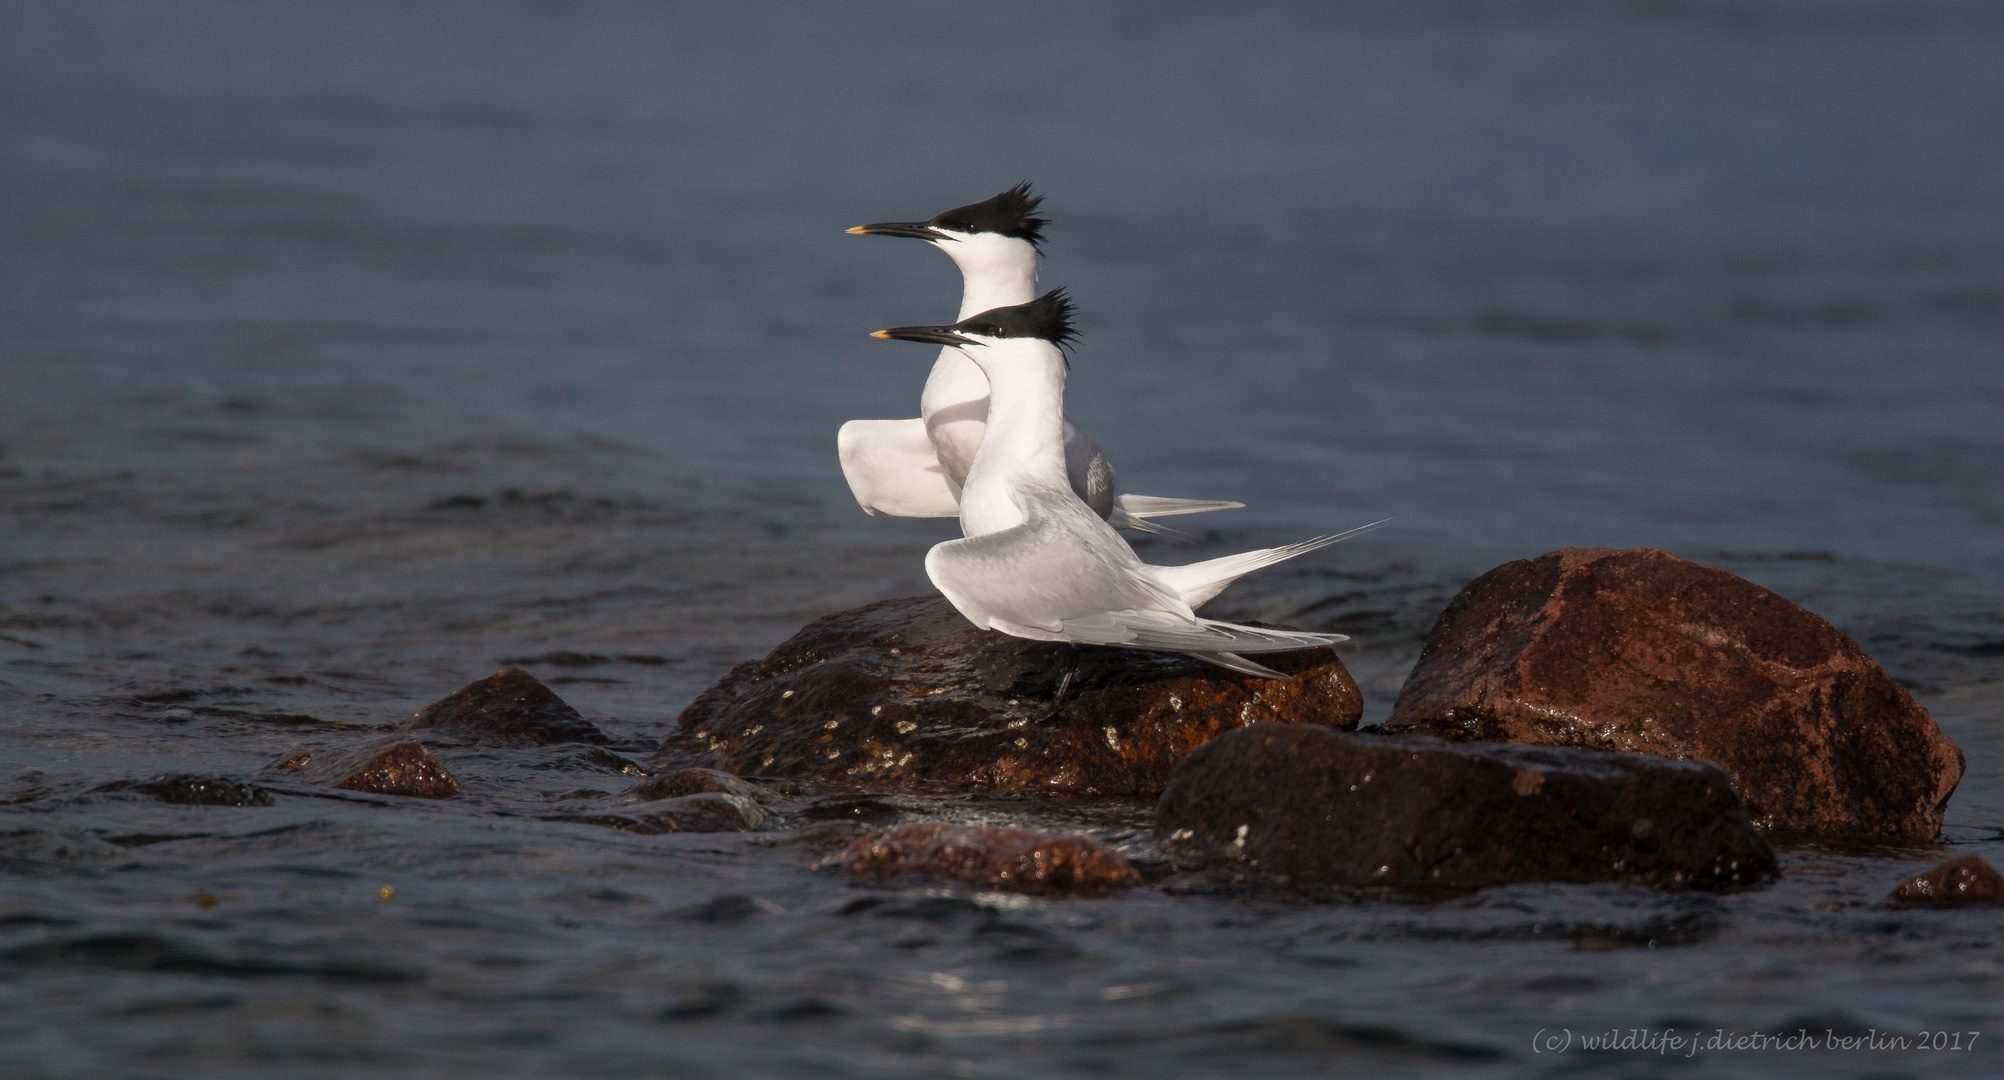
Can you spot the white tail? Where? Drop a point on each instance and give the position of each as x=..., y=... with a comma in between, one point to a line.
x=1199, y=582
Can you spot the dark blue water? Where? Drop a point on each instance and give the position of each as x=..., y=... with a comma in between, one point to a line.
x=348, y=351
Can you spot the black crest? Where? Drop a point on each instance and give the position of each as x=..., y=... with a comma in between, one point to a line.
x=1012, y=213
x=1048, y=316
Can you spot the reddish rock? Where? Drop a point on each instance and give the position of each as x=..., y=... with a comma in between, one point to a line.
x=384, y=767
x=1963, y=880
x=1642, y=651
x=507, y=708
x=1299, y=807
x=709, y=811
x=996, y=857
x=907, y=695
x=681, y=782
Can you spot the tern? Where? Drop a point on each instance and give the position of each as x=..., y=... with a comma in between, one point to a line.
x=1037, y=561
x=918, y=467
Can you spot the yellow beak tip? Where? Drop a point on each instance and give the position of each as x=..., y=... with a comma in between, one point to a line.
x=860, y=230
x=880, y=333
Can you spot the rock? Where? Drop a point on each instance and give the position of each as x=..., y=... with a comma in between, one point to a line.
x=907, y=695
x=384, y=767
x=861, y=811
x=507, y=708
x=1642, y=651
x=183, y=789
x=1304, y=808
x=681, y=782
x=995, y=857
x=708, y=811
x=1962, y=880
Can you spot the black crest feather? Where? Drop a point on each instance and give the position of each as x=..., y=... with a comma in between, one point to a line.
x=1012, y=213
x=1048, y=316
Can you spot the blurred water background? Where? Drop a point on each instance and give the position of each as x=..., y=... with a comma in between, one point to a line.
x=348, y=350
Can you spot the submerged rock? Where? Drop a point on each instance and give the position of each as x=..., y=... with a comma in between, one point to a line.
x=1302, y=808
x=1642, y=651
x=507, y=708
x=390, y=766
x=907, y=695
x=681, y=782
x=1963, y=880
x=996, y=857
x=184, y=789
x=708, y=811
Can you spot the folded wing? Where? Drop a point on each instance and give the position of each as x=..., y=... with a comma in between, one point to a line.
x=892, y=469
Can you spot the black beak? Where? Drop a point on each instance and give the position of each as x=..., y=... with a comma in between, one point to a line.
x=931, y=335
x=917, y=230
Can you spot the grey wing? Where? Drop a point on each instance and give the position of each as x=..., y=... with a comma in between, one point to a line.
x=1089, y=471
x=1045, y=572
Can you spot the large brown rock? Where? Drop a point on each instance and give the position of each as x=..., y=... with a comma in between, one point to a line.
x=508, y=708
x=384, y=767
x=997, y=857
x=1642, y=651
x=1299, y=807
x=907, y=695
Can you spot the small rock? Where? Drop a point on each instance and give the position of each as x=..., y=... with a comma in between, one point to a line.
x=1642, y=651
x=680, y=782
x=184, y=789
x=1301, y=807
x=507, y=708
x=996, y=857
x=384, y=767
x=1962, y=880
x=906, y=695
x=863, y=811
x=708, y=811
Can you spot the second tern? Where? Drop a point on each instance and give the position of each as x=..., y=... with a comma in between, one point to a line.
x=918, y=467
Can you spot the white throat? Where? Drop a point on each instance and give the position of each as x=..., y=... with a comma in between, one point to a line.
x=995, y=270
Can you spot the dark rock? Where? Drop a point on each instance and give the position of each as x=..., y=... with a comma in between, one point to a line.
x=907, y=695
x=1642, y=651
x=866, y=811
x=681, y=782
x=1963, y=880
x=507, y=708
x=996, y=857
x=384, y=767
x=709, y=811
x=1304, y=808
x=183, y=789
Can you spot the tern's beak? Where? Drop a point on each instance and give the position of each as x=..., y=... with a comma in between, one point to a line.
x=917, y=230
x=931, y=335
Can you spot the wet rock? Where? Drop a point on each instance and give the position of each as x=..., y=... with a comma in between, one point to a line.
x=1642, y=651
x=996, y=857
x=907, y=695
x=1300, y=807
x=728, y=910
x=863, y=811
x=384, y=767
x=1963, y=880
x=681, y=782
x=184, y=789
x=709, y=811
x=507, y=708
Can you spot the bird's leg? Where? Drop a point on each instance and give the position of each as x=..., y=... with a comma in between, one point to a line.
x=1071, y=671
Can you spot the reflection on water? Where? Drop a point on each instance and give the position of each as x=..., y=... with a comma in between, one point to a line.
x=347, y=354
